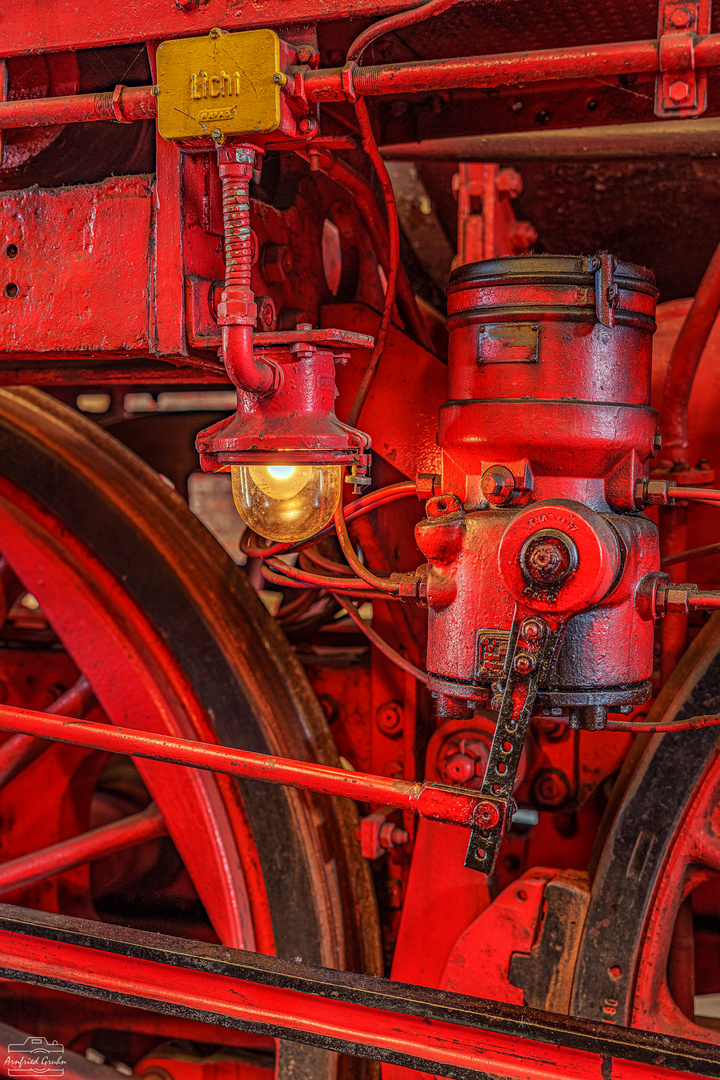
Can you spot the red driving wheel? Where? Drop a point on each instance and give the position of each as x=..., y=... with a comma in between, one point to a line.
x=133, y=595
x=652, y=932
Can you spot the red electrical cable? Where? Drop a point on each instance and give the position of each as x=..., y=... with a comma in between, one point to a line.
x=396, y=22
x=691, y=724
x=384, y=584
x=704, y=600
x=339, y=586
x=695, y=494
x=691, y=553
x=317, y=581
x=372, y=501
x=371, y=149
x=325, y=564
x=380, y=643
x=299, y=604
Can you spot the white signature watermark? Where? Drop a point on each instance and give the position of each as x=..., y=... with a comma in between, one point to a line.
x=35, y=1057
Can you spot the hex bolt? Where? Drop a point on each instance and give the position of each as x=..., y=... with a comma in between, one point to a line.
x=266, y=313
x=524, y=664
x=306, y=54
x=531, y=629
x=498, y=484
x=678, y=91
x=486, y=815
x=550, y=788
x=548, y=557
x=523, y=235
x=546, y=560
x=276, y=262
x=389, y=719
x=459, y=768
x=680, y=18
x=392, y=835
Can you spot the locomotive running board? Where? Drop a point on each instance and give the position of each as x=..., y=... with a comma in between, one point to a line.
x=439, y=1032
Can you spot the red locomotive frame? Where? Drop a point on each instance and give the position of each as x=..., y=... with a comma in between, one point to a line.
x=145, y=276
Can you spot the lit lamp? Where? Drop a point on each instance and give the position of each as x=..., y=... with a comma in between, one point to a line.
x=285, y=448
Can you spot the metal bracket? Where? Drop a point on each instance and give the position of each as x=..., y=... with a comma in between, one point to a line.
x=680, y=90
x=606, y=291
x=531, y=649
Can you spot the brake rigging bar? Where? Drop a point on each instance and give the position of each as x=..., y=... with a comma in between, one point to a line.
x=437, y=802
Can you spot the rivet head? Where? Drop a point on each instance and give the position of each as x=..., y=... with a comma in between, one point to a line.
x=486, y=815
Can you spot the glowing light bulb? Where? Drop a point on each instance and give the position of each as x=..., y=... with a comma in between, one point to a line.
x=286, y=502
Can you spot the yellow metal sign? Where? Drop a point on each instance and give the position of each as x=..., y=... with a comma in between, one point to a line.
x=219, y=83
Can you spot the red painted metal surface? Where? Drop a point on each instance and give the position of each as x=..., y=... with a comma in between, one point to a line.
x=152, y=20
x=95, y=226
x=127, y=686
x=529, y=422
x=487, y=225
x=124, y=104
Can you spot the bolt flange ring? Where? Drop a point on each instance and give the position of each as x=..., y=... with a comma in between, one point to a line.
x=559, y=556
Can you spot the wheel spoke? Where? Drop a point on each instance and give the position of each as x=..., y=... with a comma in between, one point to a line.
x=106, y=840
x=19, y=751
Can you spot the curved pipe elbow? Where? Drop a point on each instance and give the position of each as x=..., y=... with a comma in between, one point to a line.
x=245, y=369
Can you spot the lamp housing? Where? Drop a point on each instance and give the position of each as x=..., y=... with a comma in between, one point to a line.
x=286, y=448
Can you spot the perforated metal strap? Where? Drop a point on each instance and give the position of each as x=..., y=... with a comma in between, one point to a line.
x=532, y=646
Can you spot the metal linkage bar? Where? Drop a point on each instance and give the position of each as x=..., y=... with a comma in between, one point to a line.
x=336, y=84
x=434, y=801
x=442, y=1033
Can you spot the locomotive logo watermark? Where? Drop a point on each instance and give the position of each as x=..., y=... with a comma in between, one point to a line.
x=35, y=1057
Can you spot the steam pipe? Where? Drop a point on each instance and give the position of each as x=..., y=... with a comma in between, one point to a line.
x=657, y=139
x=335, y=84
x=684, y=361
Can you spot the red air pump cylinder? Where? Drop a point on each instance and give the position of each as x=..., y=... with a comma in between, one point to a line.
x=545, y=434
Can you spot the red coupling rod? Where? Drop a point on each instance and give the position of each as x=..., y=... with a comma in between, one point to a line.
x=437, y=802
